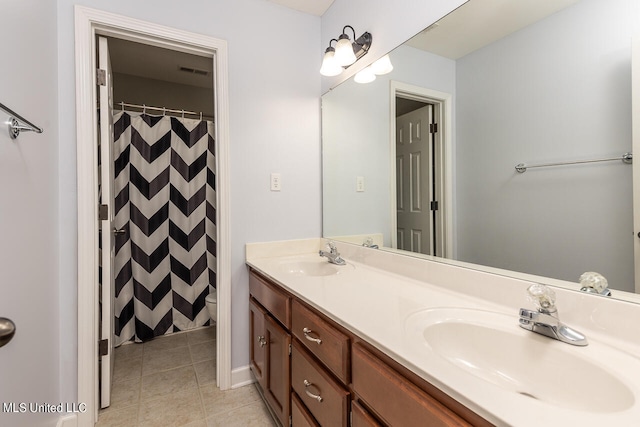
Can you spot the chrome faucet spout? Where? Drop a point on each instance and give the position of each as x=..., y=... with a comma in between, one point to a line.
x=545, y=321
x=333, y=256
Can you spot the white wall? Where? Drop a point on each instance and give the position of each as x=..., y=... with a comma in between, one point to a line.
x=581, y=214
x=355, y=135
x=391, y=23
x=29, y=211
x=274, y=115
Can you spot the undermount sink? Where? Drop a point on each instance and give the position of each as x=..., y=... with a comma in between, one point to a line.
x=316, y=266
x=492, y=347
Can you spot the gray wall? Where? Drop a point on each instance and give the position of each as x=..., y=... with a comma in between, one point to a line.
x=562, y=221
x=30, y=287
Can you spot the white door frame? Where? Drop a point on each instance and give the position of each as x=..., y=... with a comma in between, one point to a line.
x=635, y=148
x=444, y=112
x=88, y=23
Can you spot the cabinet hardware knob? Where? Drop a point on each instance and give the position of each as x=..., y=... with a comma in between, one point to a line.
x=311, y=395
x=307, y=332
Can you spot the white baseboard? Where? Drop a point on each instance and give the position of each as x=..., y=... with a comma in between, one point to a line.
x=68, y=421
x=241, y=377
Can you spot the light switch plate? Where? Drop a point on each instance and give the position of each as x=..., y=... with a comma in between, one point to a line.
x=360, y=184
x=276, y=182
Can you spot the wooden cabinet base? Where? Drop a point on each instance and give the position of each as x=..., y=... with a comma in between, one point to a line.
x=327, y=376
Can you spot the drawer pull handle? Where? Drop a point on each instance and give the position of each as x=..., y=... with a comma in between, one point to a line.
x=311, y=395
x=306, y=332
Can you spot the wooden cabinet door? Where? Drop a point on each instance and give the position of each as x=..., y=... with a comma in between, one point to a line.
x=258, y=344
x=277, y=386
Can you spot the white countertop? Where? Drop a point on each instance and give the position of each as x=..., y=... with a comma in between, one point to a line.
x=374, y=303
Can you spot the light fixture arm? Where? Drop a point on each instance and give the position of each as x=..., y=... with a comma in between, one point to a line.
x=359, y=46
x=352, y=30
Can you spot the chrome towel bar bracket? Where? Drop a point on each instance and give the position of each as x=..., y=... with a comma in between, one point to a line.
x=17, y=123
x=7, y=330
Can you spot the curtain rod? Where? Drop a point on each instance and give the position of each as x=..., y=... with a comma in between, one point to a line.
x=164, y=110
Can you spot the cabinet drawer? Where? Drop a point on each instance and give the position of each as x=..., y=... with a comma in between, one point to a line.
x=395, y=399
x=300, y=415
x=323, y=340
x=361, y=418
x=273, y=299
x=325, y=398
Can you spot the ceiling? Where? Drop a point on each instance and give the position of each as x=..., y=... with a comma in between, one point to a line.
x=312, y=7
x=160, y=64
x=479, y=23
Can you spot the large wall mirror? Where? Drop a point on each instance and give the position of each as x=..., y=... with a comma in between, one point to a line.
x=506, y=82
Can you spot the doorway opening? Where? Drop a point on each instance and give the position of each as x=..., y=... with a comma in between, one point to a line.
x=158, y=235
x=421, y=166
x=91, y=23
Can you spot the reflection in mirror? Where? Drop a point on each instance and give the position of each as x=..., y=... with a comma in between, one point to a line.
x=504, y=92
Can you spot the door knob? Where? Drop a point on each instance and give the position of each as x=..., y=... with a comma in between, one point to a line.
x=7, y=330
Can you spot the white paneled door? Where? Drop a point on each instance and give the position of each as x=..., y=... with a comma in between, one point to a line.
x=414, y=181
x=107, y=231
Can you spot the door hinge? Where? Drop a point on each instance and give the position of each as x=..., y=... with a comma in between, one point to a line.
x=103, y=212
x=434, y=205
x=289, y=349
x=101, y=77
x=433, y=128
x=103, y=347
x=290, y=421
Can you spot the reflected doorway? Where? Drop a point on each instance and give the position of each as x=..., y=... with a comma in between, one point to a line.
x=418, y=173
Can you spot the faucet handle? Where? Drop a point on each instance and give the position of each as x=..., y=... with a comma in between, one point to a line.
x=332, y=247
x=543, y=297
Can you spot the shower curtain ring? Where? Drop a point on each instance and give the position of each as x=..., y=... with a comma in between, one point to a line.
x=164, y=111
x=183, y=114
x=144, y=109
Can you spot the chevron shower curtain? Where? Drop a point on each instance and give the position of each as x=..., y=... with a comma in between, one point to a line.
x=165, y=201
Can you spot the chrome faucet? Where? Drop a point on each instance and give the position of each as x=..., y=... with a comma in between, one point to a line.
x=333, y=256
x=545, y=320
x=368, y=243
x=594, y=283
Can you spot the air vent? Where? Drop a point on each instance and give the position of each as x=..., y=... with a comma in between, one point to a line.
x=194, y=71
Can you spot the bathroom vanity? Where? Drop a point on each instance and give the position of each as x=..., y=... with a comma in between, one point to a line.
x=392, y=340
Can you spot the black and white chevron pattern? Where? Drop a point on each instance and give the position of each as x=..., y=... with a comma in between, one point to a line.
x=165, y=200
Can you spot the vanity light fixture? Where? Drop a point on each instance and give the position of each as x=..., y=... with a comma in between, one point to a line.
x=345, y=53
x=330, y=66
x=378, y=68
x=382, y=66
x=366, y=75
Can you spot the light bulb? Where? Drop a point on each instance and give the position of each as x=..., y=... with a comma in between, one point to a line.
x=344, y=51
x=382, y=66
x=329, y=65
x=365, y=76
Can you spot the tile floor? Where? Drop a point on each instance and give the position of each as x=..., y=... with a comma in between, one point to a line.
x=170, y=381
